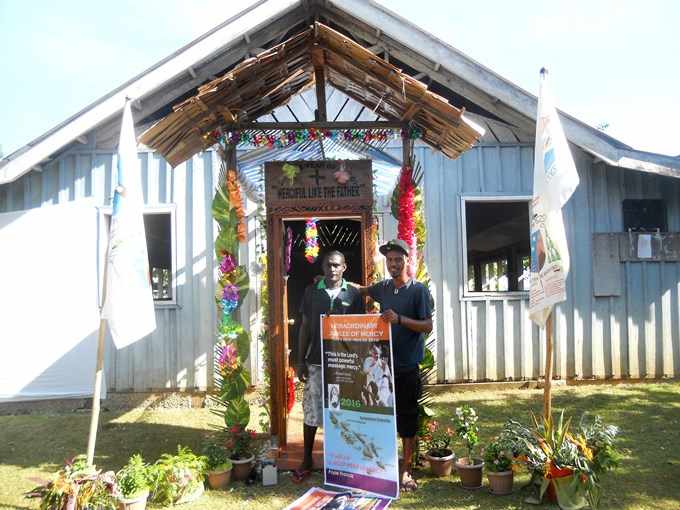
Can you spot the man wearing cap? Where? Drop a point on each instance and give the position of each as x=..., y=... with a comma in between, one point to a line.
x=407, y=305
x=330, y=295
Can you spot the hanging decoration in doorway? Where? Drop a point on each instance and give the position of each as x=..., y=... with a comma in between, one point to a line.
x=289, y=248
x=285, y=138
x=311, y=241
x=233, y=341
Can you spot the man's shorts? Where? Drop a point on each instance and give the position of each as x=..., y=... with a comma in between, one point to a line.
x=312, y=398
x=408, y=389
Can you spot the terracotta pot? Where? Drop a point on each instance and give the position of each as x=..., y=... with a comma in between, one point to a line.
x=440, y=465
x=136, y=503
x=241, y=468
x=550, y=494
x=500, y=482
x=219, y=479
x=470, y=474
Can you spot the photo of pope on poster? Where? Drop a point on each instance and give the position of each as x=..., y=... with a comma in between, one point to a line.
x=360, y=436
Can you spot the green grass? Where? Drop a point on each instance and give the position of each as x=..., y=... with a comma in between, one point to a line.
x=649, y=475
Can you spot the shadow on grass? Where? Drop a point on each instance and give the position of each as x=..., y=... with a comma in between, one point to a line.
x=46, y=441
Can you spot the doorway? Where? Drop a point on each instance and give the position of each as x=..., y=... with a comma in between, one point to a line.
x=339, y=194
x=341, y=234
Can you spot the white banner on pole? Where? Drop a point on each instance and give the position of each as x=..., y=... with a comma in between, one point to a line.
x=555, y=179
x=128, y=301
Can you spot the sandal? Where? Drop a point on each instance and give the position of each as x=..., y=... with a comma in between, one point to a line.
x=300, y=475
x=409, y=485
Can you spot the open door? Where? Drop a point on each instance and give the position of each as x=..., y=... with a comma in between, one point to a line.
x=344, y=220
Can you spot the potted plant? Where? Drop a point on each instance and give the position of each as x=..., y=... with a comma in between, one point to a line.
x=566, y=466
x=436, y=442
x=77, y=486
x=133, y=484
x=469, y=468
x=498, y=463
x=218, y=465
x=177, y=478
x=242, y=444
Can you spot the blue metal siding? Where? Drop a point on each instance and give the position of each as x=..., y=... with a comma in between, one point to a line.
x=636, y=334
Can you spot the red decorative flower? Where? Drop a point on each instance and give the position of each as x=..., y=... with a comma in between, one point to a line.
x=407, y=222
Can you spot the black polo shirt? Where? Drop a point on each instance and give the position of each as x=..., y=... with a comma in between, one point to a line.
x=317, y=302
x=414, y=301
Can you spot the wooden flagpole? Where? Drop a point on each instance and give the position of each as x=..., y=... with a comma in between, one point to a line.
x=96, y=394
x=547, y=388
x=99, y=370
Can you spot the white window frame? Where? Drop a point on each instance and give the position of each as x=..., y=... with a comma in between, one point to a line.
x=106, y=211
x=468, y=295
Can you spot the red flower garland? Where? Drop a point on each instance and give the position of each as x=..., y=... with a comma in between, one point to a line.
x=290, y=383
x=407, y=222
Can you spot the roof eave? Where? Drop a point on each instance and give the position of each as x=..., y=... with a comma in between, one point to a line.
x=484, y=79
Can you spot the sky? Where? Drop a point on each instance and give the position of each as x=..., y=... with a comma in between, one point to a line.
x=611, y=62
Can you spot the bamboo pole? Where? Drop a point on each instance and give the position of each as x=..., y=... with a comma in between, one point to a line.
x=96, y=394
x=547, y=388
x=98, y=374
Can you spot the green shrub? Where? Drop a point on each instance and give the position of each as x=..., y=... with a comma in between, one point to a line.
x=133, y=478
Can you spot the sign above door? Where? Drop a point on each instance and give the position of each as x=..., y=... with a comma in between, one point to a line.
x=318, y=184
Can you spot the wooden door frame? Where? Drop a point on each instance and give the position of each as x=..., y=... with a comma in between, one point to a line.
x=278, y=347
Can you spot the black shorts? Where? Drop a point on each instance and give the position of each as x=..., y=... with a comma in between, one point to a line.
x=408, y=389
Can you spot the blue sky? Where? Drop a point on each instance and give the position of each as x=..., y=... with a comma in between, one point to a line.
x=613, y=62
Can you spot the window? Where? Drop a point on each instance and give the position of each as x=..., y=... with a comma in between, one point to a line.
x=648, y=215
x=160, y=233
x=497, y=250
x=158, y=227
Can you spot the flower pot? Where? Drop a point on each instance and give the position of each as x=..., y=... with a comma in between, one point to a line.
x=500, y=482
x=242, y=467
x=219, y=479
x=137, y=502
x=440, y=465
x=470, y=474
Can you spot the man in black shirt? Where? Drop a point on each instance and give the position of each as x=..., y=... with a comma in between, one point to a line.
x=331, y=295
x=407, y=305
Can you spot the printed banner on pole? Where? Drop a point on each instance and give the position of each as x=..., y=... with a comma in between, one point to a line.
x=360, y=428
x=555, y=179
x=128, y=301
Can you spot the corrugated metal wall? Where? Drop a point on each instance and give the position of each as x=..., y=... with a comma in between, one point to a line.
x=179, y=353
x=478, y=338
x=491, y=338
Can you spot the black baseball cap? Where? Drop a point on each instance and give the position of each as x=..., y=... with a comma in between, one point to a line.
x=394, y=244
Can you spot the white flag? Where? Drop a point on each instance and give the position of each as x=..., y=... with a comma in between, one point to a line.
x=128, y=301
x=555, y=179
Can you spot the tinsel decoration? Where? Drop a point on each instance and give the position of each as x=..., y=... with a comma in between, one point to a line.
x=229, y=298
x=228, y=264
x=227, y=358
x=289, y=248
x=234, y=190
x=285, y=138
x=311, y=241
x=407, y=221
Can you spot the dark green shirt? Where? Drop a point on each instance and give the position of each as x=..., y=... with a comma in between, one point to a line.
x=413, y=300
x=317, y=302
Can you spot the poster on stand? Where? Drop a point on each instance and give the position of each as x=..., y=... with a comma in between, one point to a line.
x=360, y=432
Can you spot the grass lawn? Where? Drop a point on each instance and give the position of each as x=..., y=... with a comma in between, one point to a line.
x=649, y=476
